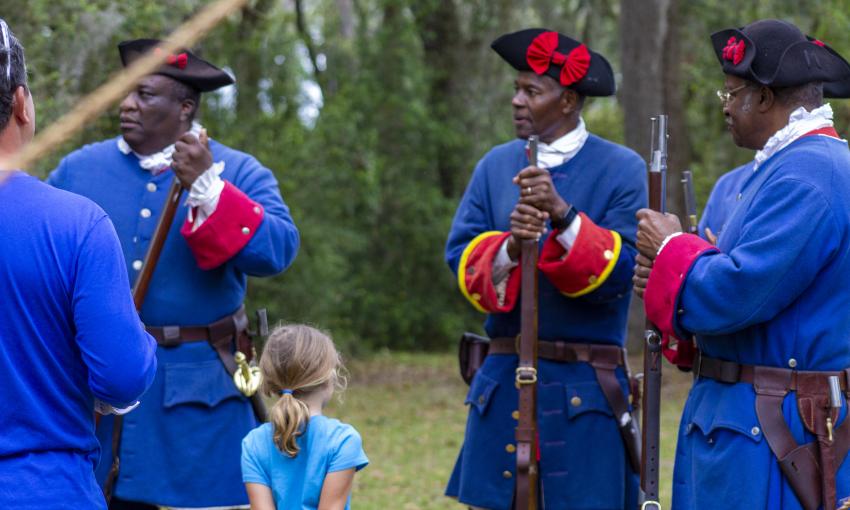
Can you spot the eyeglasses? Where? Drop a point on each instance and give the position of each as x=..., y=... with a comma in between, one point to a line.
x=7, y=49
x=726, y=95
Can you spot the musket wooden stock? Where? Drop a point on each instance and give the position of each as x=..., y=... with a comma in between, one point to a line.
x=140, y=289
x=651, y=381
x=526, y=374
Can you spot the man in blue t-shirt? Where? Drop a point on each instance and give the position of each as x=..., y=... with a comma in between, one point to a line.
x=70, y=337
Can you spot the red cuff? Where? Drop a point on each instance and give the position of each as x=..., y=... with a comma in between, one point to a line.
x=681, y=353
x=589, y=262
x=668, y=274
x=226, y=231
x=475, y=274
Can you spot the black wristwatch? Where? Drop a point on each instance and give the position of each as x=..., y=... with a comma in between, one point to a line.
x=564, y=222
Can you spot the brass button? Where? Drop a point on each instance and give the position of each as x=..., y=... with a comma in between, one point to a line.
x=137, y=264
x=151, y=187
x=507, y=474
x=145, y=213
x=246, y=230
x=592, y=279
x=476, y=296
x=515, y=415
x=257, y=209
x=792, y=363
x=510, y=448
x=575, y=401
x=755, y=431
x=608, y=254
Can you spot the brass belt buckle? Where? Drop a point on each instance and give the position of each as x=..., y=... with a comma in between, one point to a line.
x=526, y=375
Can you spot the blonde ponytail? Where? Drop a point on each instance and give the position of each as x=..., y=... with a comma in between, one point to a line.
x=289, y=417
x=297, y=361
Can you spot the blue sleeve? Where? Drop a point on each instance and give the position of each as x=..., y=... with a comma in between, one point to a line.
x=789, y=234
x=349, y=452
x=253, y=468
x=58, y=177
x=620, y=217
x=119, y=354
x=275, y=243
x=471, y=218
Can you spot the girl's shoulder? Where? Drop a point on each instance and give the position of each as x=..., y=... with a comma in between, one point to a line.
x=259, y=436
x=332, y=431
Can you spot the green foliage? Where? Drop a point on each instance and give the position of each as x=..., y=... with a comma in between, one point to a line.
x=411, y=97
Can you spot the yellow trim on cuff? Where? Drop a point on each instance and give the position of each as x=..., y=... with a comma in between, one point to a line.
x=597, y=281
x=461, y=267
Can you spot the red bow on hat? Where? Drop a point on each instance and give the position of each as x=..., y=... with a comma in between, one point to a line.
x=180, y=61
x=734, y=50
x=543, y=51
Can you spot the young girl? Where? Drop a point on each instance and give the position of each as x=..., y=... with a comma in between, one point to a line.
x=302, y=459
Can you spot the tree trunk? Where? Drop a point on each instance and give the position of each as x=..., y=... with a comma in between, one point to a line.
x=651, y=60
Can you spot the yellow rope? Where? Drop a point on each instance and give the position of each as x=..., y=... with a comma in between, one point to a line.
x=117, y=87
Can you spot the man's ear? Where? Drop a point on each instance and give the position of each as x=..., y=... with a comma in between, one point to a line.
x=19, y=105
x=187, y=109
x=766, y=99
x=569, y=101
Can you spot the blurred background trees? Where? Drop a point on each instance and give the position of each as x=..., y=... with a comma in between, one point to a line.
x=372, y=113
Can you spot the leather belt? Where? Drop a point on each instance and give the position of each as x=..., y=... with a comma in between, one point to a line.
x=809, y=468
x=224, y=328
x=568, y=352
x=731, y=372
x=604, y=359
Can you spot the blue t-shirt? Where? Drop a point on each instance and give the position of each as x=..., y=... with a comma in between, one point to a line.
x=296, y=482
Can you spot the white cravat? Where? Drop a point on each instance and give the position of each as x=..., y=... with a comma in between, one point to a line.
x=548, y=156
x=800, y=122
x=206, y=189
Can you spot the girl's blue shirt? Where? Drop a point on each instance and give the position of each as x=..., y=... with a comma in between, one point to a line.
x=327, y=446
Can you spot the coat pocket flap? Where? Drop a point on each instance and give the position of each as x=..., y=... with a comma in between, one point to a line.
x=586, y=397
x=204, y=383
x=481, y=391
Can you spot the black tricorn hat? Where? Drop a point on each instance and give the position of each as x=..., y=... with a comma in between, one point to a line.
x=566, y=60
x=185, y=67
x=776, y=53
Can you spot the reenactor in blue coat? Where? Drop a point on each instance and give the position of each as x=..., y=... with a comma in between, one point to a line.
x=70, y=338
x=181, y=447
x=764, y=424
x=580, y=203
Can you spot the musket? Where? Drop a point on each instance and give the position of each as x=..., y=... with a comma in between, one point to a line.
x=691, y=223
x=652, y=336
x=526, y=372
x=140, y=291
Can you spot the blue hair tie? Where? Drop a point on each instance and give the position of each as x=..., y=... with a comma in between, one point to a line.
x=286, y=392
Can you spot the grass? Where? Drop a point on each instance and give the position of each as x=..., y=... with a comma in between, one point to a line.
x=409, y=410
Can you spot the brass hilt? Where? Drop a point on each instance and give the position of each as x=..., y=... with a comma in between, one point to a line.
x=246, y=378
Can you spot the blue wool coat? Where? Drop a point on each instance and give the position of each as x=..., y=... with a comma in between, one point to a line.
x=583, y=464
x=68, y=334
x=723, y=199
x=774, y=294
x=181, y=447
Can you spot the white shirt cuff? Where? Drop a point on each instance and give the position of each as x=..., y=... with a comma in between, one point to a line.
x=204, y=195
x=667, y=240
x=502, y=264
x=103, y=408
x=567, y=238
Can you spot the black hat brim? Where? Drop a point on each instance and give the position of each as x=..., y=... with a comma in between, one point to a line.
x=598, y=81
x=198, y=73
